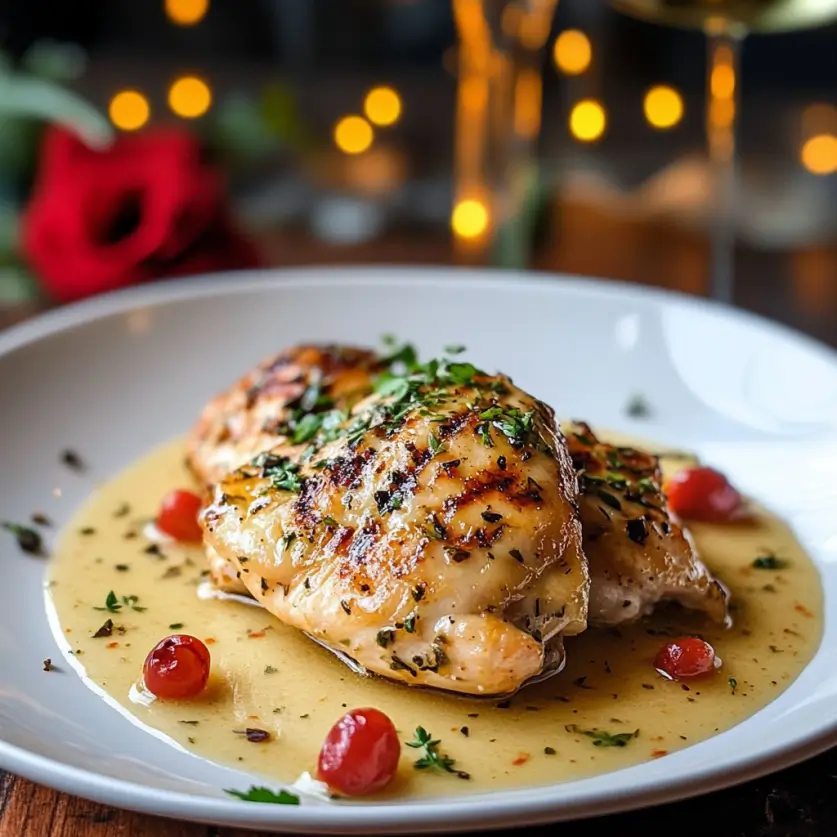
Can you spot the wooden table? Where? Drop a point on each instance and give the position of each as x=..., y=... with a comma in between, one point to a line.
x=799, y=288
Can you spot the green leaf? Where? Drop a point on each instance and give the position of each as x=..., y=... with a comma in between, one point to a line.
x=27, y=96
x=259, y=794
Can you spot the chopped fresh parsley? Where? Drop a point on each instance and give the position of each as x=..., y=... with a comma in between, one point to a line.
x=258, y=794
x=432, y=758
x=769, y=561
x=176, y=626
x=113, y=603
x=283, y=473
x=27, y=539
x=733, y=683
x=601, y=738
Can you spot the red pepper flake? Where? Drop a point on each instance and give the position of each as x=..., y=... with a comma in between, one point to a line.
x=209, y=641
x=255, y=634
x=658, y=754
x=68, y=630
x=522, y=758
x=112, y=645
x=800, y=608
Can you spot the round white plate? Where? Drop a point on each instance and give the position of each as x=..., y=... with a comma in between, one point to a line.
x=114, y=376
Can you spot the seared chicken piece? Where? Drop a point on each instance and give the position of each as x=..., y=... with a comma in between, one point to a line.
x=265, y=408
x=432, y=538
x=638, y=554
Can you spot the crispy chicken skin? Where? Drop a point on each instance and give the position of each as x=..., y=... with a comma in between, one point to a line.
x=258, y=412
x=432, y=536
x=639, y=556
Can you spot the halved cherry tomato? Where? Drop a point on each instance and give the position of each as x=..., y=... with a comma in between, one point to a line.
x=360, y=753
x=684, y=658
x=177, y=667
x=178, y=516
x=704, y=494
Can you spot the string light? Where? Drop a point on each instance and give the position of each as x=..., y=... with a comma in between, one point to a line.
x=382, y=106
x=353, y=134
x=663, y=107
x=190, y=97
x=469, y=218
x=572, y=52
x=819, y=154
x=129, y=110
x=186, y=12
x=588, y=120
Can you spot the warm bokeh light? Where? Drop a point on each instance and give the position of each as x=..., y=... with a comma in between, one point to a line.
x=572, y=52
x=382, y=106
x=190, y=97
x=663, y=106
x=819, y=154
x=353, y=134
x=722, y=79
x=469, y=218
x=588, y=120
x=527, y=104
x=129, y=110
x=186, y=12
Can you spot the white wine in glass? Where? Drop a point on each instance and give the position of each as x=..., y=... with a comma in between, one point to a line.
x=726, y=24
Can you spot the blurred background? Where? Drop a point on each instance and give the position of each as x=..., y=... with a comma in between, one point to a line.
x=198, y=135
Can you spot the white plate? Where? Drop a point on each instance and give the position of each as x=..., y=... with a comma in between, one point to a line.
x=116, y=375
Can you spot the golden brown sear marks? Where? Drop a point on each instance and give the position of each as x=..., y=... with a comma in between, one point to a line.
x=639, y=554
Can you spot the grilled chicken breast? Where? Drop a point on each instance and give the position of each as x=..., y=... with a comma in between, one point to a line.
x=431, y=536
x=266, y=408
x=638, y=554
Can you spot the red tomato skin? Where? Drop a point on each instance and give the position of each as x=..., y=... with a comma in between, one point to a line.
x=704, y=494
x=686, y=658
x=177, y=667
x=360, y=753
x=178, y=516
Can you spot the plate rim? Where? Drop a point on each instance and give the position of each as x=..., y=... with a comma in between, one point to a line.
x=516, y=807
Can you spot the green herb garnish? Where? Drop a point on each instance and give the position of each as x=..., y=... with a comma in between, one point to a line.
x=113, y=603
x=432, y=759
x=601, y=738
x=27, y=539
x=732, y=684
x=769, y=561
x=257, y=794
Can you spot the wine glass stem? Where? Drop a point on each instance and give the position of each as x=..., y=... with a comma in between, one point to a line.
x=724, y=45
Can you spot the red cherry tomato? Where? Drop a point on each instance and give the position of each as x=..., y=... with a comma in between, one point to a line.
x=360, y=753
x=704, y=494
x=684, y=658
x=178, y=516
x=177, y=667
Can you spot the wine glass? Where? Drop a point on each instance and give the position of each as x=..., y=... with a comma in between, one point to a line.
x=726, y=24
x=498, y=117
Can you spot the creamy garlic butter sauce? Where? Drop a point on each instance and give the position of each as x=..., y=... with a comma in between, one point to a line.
x=269, y=677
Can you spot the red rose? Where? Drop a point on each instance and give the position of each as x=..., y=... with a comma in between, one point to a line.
x=146, y=208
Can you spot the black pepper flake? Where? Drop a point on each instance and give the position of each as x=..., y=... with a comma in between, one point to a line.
x=457, y=555
x=152, y=549
x=550, y=751
x=418, y=592
x=254, y=736
x=473, y=714
x=265, y=585
x=41, y=519
x=637, y=407
x=439, y=528
x=501, y=463
x=48, y=666
x=503, y=704
x=491, y=517
x=123, y=511
x=346, y=606
x=122, y=568
x=465, y=731
x=517, y=555
x=581, y=682
x=73, y=461
x=637, y=530
x=105, y=630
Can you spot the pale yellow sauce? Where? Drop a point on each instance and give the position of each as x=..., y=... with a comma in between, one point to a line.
x=271, y=677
